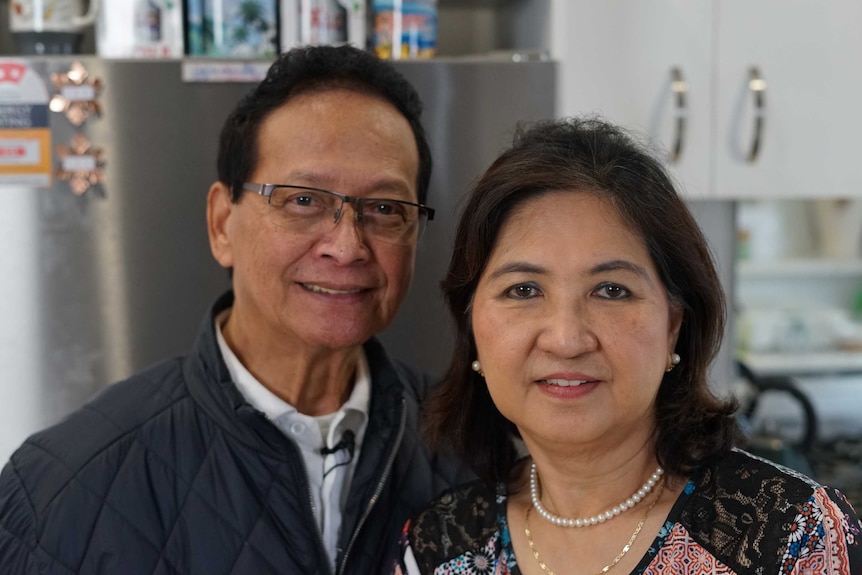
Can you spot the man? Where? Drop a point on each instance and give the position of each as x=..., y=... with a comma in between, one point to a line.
x=286, y=441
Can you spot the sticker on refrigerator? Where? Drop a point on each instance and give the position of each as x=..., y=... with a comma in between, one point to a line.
x=224, y=71
x=25, y=138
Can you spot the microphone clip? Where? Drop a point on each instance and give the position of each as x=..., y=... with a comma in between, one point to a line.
x=347, y=442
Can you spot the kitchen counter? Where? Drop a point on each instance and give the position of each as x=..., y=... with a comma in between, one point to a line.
x=819, y=362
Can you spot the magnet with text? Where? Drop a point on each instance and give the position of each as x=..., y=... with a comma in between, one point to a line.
x=25, y=138
x=79, y=94
x=81, y=164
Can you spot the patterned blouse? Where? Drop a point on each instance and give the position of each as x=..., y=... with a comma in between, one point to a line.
x=741, y=514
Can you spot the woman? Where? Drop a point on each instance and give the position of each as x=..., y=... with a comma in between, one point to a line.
x=588, y=309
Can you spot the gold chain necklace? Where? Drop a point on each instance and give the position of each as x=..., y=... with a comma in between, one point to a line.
x=607, y=567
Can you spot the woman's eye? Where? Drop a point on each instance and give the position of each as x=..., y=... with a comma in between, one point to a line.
x=522, y=291
x=612, y=291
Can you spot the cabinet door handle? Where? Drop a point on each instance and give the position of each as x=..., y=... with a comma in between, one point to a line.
x=757, y=87
x=679, y=87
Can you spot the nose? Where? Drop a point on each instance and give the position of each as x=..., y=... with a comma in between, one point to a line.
x=344, y=242
x=567, y=331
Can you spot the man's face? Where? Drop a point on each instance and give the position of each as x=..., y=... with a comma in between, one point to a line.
x=336, y=288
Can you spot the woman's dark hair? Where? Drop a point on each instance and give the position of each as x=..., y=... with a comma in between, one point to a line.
x=587, y=155
x=315, y=69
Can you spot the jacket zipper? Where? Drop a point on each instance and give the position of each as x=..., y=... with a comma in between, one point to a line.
x=371, y=502
x=321, y=547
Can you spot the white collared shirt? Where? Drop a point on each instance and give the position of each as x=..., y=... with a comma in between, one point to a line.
x=329, y=482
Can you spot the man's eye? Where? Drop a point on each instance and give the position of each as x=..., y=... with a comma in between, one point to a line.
x=302, y=200
x=612, y=291
x=384, y=208
x=522, y=291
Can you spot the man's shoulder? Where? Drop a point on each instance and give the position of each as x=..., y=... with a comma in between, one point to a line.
x=416, y=382
x=395, y=376
x=88, y=446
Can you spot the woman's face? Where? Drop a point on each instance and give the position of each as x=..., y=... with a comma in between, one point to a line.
x=572, y=324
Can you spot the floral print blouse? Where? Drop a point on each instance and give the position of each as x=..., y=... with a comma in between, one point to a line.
x=737, y=515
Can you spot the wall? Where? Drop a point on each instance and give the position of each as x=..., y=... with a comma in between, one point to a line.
x=717, y=220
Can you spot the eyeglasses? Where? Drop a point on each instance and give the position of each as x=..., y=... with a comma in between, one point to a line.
x=312, y=210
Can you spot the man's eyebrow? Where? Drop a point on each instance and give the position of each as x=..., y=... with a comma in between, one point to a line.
x=323, y=181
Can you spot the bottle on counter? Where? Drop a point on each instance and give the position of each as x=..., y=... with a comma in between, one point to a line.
x=232, y=28
x=405, y=30
x=140, y=29
x=148, y=22
x=315, y=22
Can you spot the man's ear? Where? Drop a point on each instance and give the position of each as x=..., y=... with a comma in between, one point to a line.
x=219, y=212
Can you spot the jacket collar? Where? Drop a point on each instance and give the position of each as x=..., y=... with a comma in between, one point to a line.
x=210, y=384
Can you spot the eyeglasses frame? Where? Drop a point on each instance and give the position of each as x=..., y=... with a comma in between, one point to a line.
x=266, y=190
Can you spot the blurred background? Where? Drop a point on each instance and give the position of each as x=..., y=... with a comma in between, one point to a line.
x=109, y=114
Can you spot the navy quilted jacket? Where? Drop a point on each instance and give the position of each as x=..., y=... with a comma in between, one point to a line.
x=171, y=471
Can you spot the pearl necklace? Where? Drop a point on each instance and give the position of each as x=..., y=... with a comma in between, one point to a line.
x=610, y=565
x=595, y=519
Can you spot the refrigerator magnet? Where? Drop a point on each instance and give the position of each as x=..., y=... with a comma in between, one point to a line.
x=81, y=164
x=25, y=137
x=78, y=96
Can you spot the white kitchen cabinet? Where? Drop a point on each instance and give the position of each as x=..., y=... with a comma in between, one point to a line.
x=617, y=58
x=809, y=55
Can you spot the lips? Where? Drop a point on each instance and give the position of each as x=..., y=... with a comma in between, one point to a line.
x=330, y=291
x=565, y=382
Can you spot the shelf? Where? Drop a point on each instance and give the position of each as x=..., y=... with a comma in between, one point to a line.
x=473, y=3
x=777, y=364
x=798, y=268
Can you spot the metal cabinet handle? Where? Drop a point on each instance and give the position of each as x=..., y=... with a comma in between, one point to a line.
x=679, y=87
x=757, y=87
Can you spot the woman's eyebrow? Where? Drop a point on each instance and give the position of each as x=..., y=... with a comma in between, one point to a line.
x=614, y=265
x=530, y=268
x=517, y=267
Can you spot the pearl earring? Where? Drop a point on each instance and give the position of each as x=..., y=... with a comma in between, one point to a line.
x=477, y=367
x=674, y=361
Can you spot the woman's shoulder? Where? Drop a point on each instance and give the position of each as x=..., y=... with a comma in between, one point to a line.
x=756, y=488
x=742, y=472
x=461, y=520
x=750, y=511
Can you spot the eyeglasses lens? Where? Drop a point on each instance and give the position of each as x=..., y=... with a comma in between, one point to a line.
x=317, y=211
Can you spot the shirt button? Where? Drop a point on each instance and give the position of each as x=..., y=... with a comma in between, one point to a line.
x=296, y=428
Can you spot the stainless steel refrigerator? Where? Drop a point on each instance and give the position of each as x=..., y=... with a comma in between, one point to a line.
x=102, y=284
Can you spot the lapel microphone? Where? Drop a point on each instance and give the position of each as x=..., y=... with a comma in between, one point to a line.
x=348, y=442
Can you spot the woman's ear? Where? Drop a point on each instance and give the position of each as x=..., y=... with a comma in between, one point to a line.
x=674, y=325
